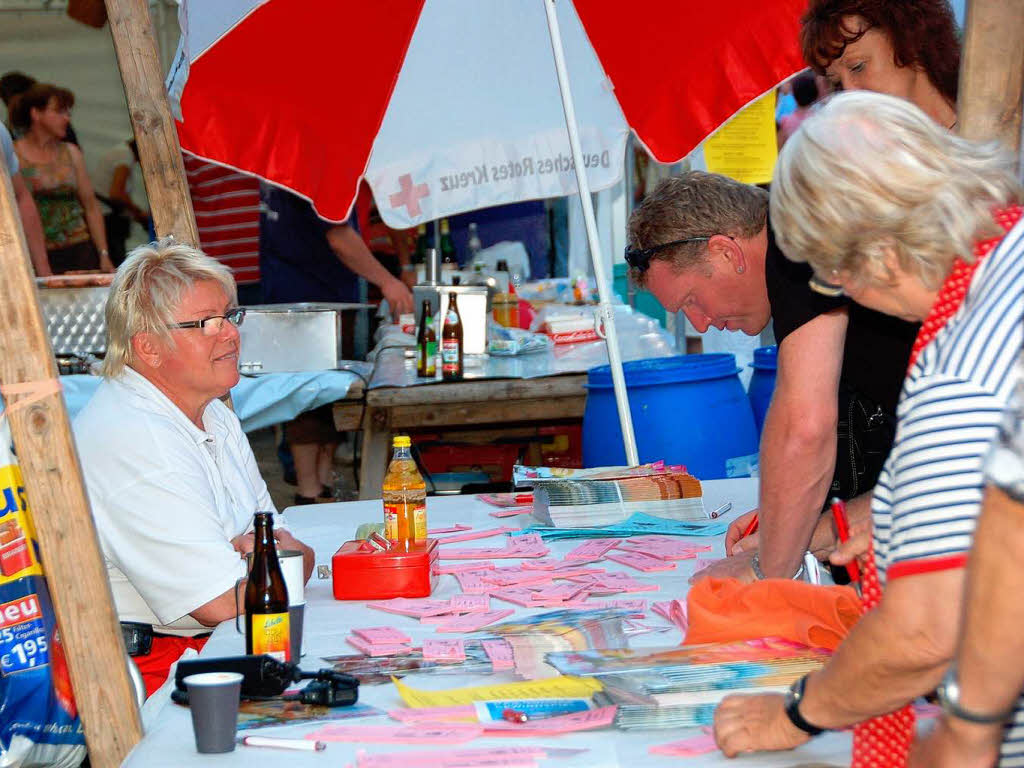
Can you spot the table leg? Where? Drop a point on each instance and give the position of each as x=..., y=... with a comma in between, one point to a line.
x=376, y=442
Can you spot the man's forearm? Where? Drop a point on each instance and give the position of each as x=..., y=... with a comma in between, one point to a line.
x=796, y=470
x=990, y=660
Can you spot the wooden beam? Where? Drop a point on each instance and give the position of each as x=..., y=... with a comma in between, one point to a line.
x=70, y=551
x=992, y=72
x=159, y=151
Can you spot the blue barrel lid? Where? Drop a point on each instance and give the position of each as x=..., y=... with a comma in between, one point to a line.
x=667, y=370
x=766, y=358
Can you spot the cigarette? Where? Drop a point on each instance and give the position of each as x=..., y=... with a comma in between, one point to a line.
x=721, y=510
x=300, y=745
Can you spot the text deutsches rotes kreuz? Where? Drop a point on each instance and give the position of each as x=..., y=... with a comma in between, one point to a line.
x=516, y=169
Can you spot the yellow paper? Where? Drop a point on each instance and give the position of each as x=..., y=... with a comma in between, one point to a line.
x=745, y=148
x=562, y=687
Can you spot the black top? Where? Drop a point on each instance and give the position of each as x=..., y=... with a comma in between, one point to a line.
x=296, y=261
x=877, y=345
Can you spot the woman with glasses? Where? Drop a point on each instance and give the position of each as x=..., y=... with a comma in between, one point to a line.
x=170, y=475
x=892, y=210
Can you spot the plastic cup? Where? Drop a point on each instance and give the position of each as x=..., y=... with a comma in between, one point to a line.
x=213, y=698
x=295, y=616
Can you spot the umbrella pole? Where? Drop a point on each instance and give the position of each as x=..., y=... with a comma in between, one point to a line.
x=606, y=313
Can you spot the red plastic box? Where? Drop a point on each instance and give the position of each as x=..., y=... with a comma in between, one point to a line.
x=399, y=572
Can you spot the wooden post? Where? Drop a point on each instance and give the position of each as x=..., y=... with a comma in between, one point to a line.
x=70, y=551
x=159, y=151
x=992, y=72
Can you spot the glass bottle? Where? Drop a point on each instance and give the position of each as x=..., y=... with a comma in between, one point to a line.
x=451, y=341
x=266, y=596
x=426, y=345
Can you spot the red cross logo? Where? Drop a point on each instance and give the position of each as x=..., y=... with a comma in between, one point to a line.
x=409, y=195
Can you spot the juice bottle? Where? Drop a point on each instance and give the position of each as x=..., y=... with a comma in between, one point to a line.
x=405, y=496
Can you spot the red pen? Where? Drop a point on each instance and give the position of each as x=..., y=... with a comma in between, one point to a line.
x=751, y=529
x=843, y=529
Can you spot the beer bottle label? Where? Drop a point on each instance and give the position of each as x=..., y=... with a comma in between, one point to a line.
x=391, y=512
x=271, y=635
x=452, y=318
x=419, y=516
x=431, y=358
x=450, y=355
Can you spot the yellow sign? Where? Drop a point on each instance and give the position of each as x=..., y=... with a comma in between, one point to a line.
x=745, y=148
x=17, y=539
x=563, y=687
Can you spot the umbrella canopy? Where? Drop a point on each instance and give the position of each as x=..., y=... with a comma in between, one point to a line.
x=448, y=106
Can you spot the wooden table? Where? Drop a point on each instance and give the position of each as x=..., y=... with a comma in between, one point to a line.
x=508, y=403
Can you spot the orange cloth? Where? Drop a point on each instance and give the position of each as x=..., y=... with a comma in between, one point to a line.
x=722, y=610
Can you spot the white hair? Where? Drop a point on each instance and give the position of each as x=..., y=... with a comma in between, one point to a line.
x=146, y=290
x=869, y=173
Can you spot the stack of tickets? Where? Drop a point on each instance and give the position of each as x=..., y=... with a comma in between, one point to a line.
x=591, y=503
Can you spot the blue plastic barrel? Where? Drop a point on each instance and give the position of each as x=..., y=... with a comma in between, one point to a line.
x=762, y=382
x=688, y=410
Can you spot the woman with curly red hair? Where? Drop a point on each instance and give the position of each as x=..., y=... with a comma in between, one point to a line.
x=908, y=49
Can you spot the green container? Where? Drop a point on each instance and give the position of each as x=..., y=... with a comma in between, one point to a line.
x=645, y=301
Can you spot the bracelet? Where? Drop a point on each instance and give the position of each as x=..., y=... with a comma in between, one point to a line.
x=104, y=252
x=755, y=565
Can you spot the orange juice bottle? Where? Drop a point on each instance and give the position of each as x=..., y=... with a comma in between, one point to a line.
x=405, y=496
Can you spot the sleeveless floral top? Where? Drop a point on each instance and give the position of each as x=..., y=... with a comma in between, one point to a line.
x=55, y=189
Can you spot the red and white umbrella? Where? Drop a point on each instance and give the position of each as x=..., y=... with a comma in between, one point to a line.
x=447, y=106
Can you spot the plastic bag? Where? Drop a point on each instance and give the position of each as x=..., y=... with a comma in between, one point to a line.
x=39, y=724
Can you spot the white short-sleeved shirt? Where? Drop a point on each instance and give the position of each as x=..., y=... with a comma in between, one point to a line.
x=115, y=157
x=167, y=498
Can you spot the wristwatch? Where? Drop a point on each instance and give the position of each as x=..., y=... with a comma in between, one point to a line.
x=949, y=698
x=793, y=698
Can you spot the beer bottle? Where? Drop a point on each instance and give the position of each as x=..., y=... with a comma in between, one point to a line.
x=405, y=496
x=426, y=345
x=266, y=596
x=451, y=341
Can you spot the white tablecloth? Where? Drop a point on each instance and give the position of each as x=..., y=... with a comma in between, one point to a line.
x=325, y=527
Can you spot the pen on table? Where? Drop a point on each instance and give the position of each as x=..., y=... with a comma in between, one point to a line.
x=721, y=510
x=843, y=530
x=302, y=745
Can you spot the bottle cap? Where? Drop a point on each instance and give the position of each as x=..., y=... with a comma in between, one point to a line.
x=402, y=441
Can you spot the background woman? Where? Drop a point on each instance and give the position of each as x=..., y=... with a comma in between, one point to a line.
x=55, y=172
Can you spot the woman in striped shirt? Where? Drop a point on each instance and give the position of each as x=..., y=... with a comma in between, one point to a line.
x=902, y=216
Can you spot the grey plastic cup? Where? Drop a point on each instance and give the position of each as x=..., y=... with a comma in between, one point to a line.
x=213, y=699
x=295, y=616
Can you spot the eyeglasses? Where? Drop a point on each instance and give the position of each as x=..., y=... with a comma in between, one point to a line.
x=213, y=325
x=640, y=258
x=826, y=288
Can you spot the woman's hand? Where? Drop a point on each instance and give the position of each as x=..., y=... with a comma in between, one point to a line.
x=755, y=724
